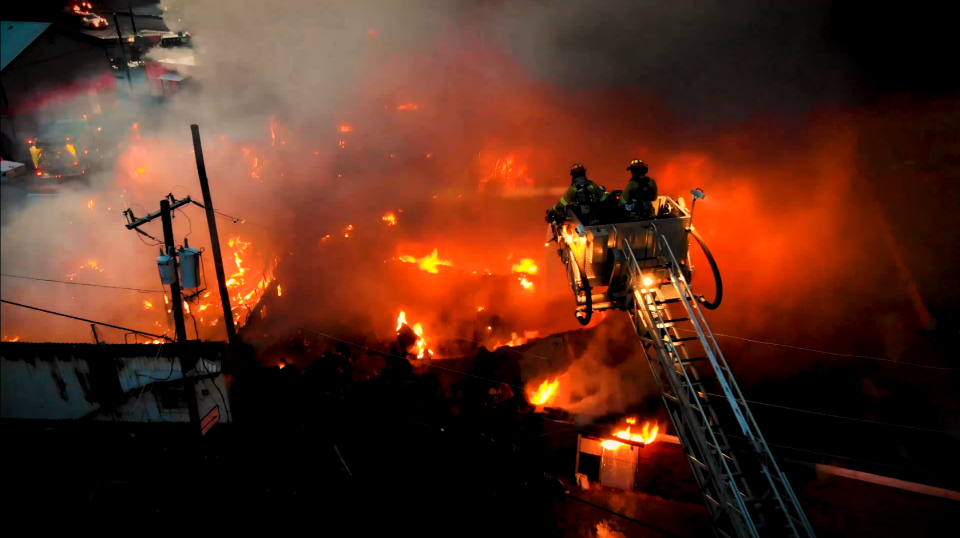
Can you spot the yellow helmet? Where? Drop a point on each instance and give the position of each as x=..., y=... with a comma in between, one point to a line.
x=637, y=164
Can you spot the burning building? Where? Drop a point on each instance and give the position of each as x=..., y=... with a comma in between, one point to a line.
x=390, y=201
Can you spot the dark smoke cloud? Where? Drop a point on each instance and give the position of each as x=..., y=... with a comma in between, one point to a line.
x=706, y=61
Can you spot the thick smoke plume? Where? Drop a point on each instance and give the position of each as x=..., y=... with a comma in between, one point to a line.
x=462, y=119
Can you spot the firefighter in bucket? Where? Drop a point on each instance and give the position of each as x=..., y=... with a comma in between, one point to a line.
x=585, y=197
x=636, y=201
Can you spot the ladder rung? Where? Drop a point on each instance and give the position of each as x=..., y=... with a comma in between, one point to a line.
x=695, y=359
x=667, y=301
x=678, y=320
x=687, y=339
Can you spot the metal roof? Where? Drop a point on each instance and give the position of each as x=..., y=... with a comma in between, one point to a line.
x=15, y=37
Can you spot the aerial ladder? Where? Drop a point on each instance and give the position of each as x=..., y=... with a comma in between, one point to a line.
x=644, y=268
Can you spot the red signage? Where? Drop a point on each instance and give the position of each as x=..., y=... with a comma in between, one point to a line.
x=208, y=421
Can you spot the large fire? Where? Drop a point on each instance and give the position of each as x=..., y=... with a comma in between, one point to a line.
x=428, y=263
x=526, y=266
x=421, y=345
x=546, y=393
x=646, y=436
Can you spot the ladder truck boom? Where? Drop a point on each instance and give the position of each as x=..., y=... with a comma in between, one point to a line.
x=644, y=268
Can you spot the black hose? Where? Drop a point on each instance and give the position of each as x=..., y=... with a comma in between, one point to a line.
x=716, y=273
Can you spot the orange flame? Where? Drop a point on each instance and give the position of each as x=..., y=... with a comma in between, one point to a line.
x=421, y=345
x=525, y=283
x=545, y=393
x=646, y=436
x=239, y=262
x=390, y=219
x=526, y=266
x=148, y=305
x=408, y=106
x=428, y=263
x=91, y=204
x=279, y=293
x=345, y=128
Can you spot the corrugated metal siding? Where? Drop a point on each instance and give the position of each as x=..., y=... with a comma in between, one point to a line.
x=57, y=382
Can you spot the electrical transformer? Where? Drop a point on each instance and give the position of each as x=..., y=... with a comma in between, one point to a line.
x=168, y=268
x=189, y=266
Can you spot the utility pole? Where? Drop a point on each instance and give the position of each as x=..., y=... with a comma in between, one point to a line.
x=214, y=238
x=123, y=55
x=175, y=286
x=133, y=22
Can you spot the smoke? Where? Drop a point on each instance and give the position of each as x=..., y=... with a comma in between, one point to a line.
x=705, y=62
x=306, y=132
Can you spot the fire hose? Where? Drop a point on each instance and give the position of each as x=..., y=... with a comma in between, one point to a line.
x=716, y=273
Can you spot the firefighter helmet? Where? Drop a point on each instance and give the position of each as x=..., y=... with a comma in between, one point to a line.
x=577, y=169
x=637, y=164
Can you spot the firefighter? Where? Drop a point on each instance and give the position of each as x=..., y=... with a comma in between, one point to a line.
x=584, y=195
x=638, y=196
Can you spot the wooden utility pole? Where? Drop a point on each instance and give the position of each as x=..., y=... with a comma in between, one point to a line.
x=214, y=238
x=175, y=286
x=123, y=54
x=133, y=21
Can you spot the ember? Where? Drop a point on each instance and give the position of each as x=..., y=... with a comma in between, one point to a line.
x=409, y=106
x=516, y=340
x=390, y=219
x=148, y=305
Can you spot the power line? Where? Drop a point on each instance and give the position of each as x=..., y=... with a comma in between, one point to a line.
x=837, y=416
x=141, y=290
x=504, y=348
x=236, y=220
x=847, y=458
x=946, y=368
x=156, y=336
